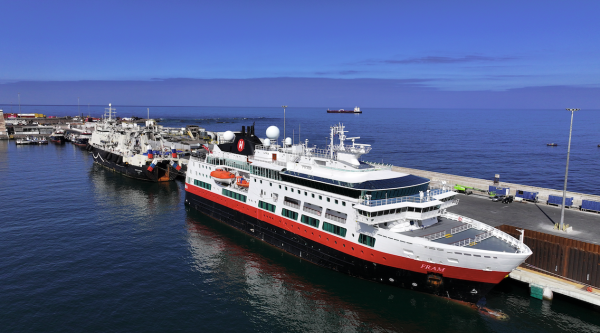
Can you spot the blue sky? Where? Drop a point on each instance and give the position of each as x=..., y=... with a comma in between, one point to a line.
x=486, y=48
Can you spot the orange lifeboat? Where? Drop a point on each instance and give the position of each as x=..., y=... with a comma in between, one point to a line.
x=222, y=176
x=242, y=182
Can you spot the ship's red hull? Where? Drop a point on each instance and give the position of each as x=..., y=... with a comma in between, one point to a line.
x=330, y=251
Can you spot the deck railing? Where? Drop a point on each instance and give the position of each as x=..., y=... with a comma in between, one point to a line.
x=413, y=198
x=436, y=235
x=312, y=211
x=463, y=242
x=460, y=228
x=489, y=232
x=291, y=204
x=335, y=218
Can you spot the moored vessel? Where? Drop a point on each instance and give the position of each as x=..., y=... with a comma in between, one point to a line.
x=58, y=136
x=329, y=207
x=356, y=110
x=126, y=150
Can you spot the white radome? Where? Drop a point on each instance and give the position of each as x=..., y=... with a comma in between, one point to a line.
x=228, y=136
x=288, y=141
x=273, y=132
x=267, y=142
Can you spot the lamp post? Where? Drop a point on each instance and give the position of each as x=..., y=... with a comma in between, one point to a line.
x=284, y=106
x=562, y=210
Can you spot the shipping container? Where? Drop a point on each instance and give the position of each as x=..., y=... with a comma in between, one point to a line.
x=499, y=190
x=556, y=200
x=590, y=205
x=526, y=195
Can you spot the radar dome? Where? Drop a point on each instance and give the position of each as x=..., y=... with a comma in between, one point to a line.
x=267, y=142
x=288, y=141
x=228, y=136
x=273, y=132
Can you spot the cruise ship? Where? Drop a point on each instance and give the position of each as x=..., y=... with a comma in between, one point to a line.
x=329, y=207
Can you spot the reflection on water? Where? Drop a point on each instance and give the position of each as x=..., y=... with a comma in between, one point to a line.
x=283, y=292
x=120, y=195
x=86, y=249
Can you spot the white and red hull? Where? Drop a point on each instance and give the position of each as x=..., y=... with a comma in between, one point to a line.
x=333, y=252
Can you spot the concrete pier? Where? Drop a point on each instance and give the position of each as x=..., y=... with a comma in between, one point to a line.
x=538, y=217
x=484, y=184
x=556, y=285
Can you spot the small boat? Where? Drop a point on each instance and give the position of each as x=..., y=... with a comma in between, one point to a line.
x=24, y=141
x=240, y=181
x=81, y=140
x=551, y=144
x=58, y=136
x=40, y=141
x=223, y=176
x=356, y=110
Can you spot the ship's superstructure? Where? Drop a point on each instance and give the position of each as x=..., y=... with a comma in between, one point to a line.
x=329, y=207
x=132, y=150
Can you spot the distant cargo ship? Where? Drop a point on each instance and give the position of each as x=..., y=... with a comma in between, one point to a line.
x=356, y=110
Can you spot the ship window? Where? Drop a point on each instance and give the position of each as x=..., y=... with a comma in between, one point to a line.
x=334, y=229
x=279, y=186
x=310, y=221
x=289, y=214
x=261, y=181
x=343, y=203
x=417, y=210
x=266, y=206
x=487, y=257
x=367, y=240
x=298, y=191
x=320, y=198
x=305, y=193
x=336, y=201
x=286, y=188
x=476, y=255
x=270, y=184
x=313, y=195
x=328, y=200
x=411, y=209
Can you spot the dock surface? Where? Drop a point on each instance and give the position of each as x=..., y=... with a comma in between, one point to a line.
x=533, y=216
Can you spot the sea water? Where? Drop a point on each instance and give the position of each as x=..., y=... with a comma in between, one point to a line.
x=87, y=250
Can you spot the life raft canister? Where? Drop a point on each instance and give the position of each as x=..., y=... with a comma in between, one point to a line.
x=152, y=166
x=175, y=165
x=150, y=155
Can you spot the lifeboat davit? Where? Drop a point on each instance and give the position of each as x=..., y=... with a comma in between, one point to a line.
x=242, y=182
x=222, y=176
